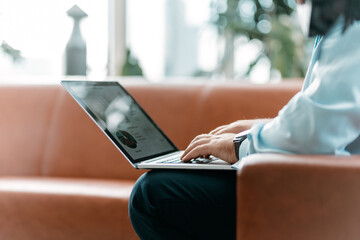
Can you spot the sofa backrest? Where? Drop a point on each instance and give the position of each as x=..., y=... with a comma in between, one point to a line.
x=45, y=133
x=25, y=118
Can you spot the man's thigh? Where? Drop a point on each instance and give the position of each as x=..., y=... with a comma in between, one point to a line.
x=200, y=203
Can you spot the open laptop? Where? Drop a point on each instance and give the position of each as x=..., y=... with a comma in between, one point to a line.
x=131, y=129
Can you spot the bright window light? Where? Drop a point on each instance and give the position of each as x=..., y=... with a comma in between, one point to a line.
x=40, y=29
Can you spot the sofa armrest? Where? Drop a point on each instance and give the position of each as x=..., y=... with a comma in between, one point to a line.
x=298, y=197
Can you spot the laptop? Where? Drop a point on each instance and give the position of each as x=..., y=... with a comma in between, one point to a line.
x=131, y=129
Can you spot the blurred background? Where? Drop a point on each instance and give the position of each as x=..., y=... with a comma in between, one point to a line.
x=258, y=41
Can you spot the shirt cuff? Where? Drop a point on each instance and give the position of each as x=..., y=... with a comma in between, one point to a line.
x=244, y=149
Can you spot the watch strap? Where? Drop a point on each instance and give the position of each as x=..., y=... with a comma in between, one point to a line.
x=238, y=139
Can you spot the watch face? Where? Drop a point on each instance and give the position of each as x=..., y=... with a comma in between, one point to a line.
x=237, y=148
x=238, y=140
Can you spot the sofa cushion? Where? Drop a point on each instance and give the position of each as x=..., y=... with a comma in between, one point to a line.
x=54, y=208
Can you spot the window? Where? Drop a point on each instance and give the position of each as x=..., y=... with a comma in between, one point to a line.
x=172, y=37
x=40, y=29
x=219, y=39
x=165, y=38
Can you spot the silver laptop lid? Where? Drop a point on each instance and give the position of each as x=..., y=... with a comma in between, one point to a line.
x=121, y=118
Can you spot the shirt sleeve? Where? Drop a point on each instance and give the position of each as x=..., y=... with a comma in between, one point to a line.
x=322, y=119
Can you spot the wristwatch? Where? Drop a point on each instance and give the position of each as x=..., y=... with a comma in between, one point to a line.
x=238, y=139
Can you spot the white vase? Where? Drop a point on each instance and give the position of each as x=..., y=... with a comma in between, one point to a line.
x=75, y=55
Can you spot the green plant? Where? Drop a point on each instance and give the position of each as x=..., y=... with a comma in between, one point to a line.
x=268, y=21
x=131, y=66
x=12, y=52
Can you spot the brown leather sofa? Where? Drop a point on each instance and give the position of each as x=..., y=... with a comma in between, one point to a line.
x=61, y=178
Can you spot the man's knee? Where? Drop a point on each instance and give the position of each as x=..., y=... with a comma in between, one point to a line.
x=137, y=192
x=143, y=191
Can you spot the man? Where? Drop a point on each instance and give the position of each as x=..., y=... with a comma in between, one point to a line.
x=324, y=118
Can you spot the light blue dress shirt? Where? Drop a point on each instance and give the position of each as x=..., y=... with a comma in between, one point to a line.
x=324, y=118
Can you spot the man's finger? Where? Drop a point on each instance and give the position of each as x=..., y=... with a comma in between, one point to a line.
x=195, y=144
x=196, y=152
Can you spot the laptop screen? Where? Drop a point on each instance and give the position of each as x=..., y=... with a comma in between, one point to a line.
x=121, y=118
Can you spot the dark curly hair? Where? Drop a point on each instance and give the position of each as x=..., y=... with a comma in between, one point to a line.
x=326, y=12
x=352, y=12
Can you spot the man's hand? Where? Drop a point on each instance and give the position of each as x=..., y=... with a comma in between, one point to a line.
x=220, y=146
x=218, y=142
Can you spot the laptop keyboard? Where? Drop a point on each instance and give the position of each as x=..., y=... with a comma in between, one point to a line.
x=176, y=159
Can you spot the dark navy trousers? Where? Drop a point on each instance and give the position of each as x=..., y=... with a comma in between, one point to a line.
x=184, y=204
